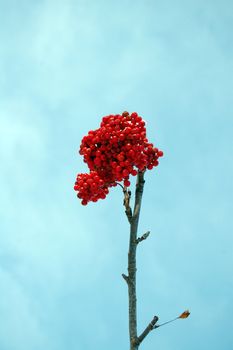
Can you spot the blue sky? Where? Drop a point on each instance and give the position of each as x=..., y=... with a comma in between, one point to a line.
x=64, y=65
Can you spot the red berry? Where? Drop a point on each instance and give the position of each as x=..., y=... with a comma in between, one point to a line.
x=120, y=157
x=160, y=153
x=131, y=153
x=126, y=183
x=149, y=166
x=125, y=173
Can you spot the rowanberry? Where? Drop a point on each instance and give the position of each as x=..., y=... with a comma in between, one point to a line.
x=117, y=149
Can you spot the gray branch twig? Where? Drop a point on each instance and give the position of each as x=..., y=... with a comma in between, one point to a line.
x=143, y=237
x=131, y=280
x=126, y=203
x=148, y=329
x=126, y=278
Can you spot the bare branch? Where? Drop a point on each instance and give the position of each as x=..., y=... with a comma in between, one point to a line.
x=148, y=329
x=143, y=237
x=132, y=269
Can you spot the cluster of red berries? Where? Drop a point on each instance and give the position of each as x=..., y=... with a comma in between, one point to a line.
x=118, y=149
x=90, y=187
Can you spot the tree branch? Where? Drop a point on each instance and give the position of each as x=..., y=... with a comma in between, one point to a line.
x=143, y=237
x=148, y=329
x=132, y=263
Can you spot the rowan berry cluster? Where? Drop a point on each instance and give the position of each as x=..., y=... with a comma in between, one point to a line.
x=90, y=187
x=117, y=149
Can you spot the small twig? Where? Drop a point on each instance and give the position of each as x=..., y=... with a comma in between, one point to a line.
x=126, y=278
x=148, y=329
x=120, y=185
x=184, y=315
x=163, y=324
x=143, y=237
x=126, y=203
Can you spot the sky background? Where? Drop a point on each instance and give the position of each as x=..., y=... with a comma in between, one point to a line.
x=63, y=66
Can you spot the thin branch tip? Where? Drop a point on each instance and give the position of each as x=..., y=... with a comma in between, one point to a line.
x=184, y=314
x=143, y=237
x=118, y=183
x=152, y=325
x=126, y=278
x=126, y=203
